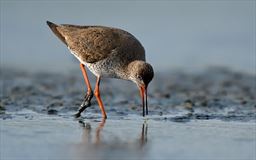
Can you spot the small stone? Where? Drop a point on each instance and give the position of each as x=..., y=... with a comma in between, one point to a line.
x=204, y=103
x=216, y=99
x=52, y=111
x=189, y=104
x=134, y=107
x=181, y=119
x=2, y=108
x=202, y=116
x=244, y=102
x=166, y=95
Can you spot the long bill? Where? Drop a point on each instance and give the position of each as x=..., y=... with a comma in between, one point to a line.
x=143, y=94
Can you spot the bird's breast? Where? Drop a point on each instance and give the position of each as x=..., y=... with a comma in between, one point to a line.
x=110, y=67
x=107, y=68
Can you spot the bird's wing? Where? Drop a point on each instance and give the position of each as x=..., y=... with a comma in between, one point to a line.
x=90, y=43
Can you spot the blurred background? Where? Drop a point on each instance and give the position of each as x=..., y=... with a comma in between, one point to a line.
x=185, y=35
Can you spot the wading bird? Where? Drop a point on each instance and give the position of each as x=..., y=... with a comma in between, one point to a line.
x=107, y=52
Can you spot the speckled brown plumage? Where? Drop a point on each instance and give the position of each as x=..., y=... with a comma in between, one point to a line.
x=95, y=43
x=107, y=52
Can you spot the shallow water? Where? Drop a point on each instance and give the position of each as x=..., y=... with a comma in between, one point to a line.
x=132, y=137
x=207, y=115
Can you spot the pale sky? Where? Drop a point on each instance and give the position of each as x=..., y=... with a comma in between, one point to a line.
x=188, y=35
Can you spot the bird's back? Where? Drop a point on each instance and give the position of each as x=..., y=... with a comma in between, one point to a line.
x=95, y=43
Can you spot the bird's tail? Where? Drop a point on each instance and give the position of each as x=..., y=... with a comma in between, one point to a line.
x=54, y=28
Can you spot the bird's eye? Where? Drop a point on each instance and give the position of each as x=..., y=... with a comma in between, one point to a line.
x=139, y=77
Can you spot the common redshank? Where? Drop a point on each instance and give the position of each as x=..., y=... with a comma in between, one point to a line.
x=107, y=52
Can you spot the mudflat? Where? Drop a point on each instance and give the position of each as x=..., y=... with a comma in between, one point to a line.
x=202, y=115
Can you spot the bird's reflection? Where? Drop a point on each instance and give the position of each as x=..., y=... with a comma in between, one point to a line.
x=111, y=141
x=144, y=133
x=90, y=138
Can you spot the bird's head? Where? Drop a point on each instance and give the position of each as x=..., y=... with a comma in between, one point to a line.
x=141, y=73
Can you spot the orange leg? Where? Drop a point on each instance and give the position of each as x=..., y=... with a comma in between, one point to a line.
x=97, y=95
x=87, y=99
x=86, y=80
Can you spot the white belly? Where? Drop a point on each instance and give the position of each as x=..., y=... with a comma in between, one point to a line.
x=103, y=68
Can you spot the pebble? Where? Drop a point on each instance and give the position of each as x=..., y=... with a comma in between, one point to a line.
x=52, y=112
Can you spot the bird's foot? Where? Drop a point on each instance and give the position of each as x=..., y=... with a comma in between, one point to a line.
x=87, y=100
x=85, y=104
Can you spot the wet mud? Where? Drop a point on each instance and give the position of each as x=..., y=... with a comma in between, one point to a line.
x=216, y=93
x=206, y=115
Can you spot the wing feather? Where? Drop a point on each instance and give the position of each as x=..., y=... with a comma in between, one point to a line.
x=92, y=44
